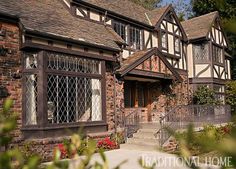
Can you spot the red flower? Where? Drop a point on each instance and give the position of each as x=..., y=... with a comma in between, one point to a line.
x=107, y=143
x=62, y=150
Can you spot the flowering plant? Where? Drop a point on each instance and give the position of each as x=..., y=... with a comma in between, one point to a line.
x=62, y=149
x=107, y=144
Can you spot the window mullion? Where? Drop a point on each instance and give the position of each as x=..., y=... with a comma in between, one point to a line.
x=42, y=100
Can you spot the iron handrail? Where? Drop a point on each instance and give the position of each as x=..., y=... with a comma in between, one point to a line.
x=180, y=116
x=131, y=122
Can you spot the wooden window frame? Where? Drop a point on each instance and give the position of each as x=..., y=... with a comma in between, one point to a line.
x=121, y=26
x=42, y=71
x=137, y=39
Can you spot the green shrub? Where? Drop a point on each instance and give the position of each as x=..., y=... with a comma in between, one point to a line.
x=205, y=96
x=231, y=95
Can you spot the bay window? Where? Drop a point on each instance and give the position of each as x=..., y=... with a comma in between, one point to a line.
x=68, y=89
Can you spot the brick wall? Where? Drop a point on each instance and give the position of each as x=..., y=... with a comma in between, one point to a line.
x=10, y=64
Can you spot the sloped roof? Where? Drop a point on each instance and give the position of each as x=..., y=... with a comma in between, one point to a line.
x=155, y=15
x=117, y=37
x=133, y=58
x=199, y=27
x=52, y=17
x=131, y=10
x=122, y=7
x=140, y=56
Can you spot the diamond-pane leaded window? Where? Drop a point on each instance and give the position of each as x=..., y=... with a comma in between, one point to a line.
x=73, y=98
x=70, y=87
x=31, y=60
x=201, y=52
x=74, y=64
x=31, y=99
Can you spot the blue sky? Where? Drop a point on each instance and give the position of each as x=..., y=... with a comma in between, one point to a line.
x=169, y=1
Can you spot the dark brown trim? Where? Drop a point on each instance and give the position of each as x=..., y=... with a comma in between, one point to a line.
x=5, y=17
x=103, y=90
x=153, y=51
x=30, y=46
x=64, y=130
x=150, y=74
x=68, y=40
x=206, y=80
x=138, y=62
x=170, y=9
x=203, y=70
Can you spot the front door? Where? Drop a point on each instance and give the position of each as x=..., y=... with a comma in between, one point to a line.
x=136, y=95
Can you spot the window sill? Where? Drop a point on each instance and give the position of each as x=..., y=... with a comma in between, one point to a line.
x=60, y=130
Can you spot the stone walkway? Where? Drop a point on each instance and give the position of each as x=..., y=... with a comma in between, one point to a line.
x=164, y=160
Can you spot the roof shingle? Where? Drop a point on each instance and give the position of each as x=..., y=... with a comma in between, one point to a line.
x=123, y=7
x=198, y=27
x=52, y=17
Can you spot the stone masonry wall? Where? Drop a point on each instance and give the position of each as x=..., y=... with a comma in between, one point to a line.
x=114, y=95
x=10, y=66
x=164, y=96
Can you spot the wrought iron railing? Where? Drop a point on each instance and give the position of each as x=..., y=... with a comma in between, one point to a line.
x=131, y=122
x=181, y=116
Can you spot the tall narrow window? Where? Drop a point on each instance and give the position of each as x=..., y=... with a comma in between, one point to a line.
x=177, y=45
x=217, y=54
x=30, y=87
x=135, y=38
x=164, y=40
x=120, y=29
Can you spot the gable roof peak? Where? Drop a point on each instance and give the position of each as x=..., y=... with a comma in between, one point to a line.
x=198, y=27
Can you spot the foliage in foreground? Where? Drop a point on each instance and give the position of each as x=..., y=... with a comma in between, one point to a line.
x=15, y=159
x=231, y=95
x=221, y=140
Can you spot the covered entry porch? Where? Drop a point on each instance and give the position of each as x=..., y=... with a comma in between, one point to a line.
x=146, y=74
x=141, y=96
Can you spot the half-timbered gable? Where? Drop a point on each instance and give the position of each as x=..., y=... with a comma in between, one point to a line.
x=172, y=38
x=149, y=63
x=208, y=62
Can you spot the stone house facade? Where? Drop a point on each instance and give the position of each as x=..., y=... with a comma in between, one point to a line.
x=69, y=64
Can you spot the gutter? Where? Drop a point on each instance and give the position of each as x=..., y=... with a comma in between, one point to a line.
x=9, y=18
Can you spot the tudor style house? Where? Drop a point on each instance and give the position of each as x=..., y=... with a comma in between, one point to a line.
x=69, y=64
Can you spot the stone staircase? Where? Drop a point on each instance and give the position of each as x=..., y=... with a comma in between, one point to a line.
x=144, y=139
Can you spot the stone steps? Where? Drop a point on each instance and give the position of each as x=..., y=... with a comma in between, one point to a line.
x=138, y=147
x=144, y=138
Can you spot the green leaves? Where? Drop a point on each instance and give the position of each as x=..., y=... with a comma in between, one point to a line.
x=231, y=95
x=204, y=95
